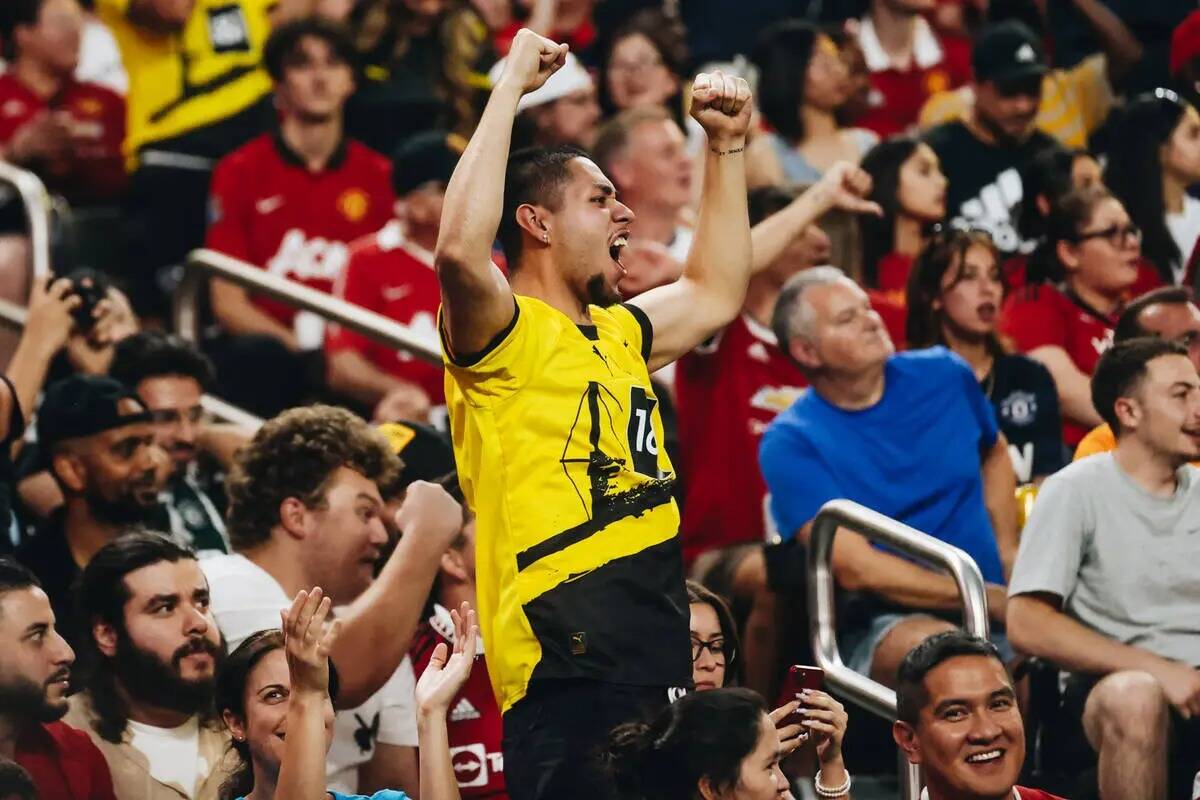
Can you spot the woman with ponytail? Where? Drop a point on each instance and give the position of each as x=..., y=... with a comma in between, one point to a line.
x=722, y=744
x=275, y=694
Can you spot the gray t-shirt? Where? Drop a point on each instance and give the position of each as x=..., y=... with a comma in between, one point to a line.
x=1126, y=563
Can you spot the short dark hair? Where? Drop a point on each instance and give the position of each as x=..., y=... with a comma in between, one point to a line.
x=1130, y=327
x=293, y=455
x=911, y=693
x=766, y=201
x=15, y=576
x=16, y=14
x=154, y=354
x=1122, y=368
x=282, y=48
x=534, y=175
x=14, y=780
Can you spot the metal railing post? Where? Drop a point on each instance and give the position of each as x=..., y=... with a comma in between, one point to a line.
x=874, y=696
x=37, y=204
x=202, y=263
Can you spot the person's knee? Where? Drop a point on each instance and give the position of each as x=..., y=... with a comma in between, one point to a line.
x=1126, y=708
x=898, y=641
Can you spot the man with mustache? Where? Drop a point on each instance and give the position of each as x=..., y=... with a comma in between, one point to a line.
x=1105, y=583
x=150, y=667
x=985, y=155
x=35, y=670
x=170, y=376
x=99, y=440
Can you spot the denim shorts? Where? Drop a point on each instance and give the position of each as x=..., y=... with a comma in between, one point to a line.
x=857, y=645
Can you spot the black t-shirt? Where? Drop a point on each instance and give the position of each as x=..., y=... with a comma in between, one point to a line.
x=985, y=186
x=8, y=473
x=1026, y=403
x=48, y=556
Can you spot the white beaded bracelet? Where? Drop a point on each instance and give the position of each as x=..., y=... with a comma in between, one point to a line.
x=836, y=791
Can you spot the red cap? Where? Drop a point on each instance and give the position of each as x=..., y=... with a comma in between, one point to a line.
x=1185, y=42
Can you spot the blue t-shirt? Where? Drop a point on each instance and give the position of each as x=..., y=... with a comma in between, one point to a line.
x=382, y=794
x=914, y=455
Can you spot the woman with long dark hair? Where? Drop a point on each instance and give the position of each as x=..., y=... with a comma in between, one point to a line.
x=954, y=297
x=802, y=83
x=1078, y=278
x=275, y=696
x=908, y=184
x=1153, y=157
x=720, y=743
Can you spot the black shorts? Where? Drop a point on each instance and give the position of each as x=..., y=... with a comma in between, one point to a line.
x=554, y=736
x=1073, y=753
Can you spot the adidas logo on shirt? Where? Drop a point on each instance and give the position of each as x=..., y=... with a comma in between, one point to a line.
x=463, y=711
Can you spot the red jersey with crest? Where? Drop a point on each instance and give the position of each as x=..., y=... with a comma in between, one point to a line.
x=96, y=170
x=269, y=209
x=474, y=725
x=1042, y=315
x=395, y=278
x=727, y=392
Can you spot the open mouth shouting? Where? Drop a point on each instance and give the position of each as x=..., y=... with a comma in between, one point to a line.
x=616, y=245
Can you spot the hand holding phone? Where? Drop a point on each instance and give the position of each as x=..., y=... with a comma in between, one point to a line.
x=799, y=678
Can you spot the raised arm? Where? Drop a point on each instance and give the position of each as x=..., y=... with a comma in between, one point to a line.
x=436, y=689
x=477, y=302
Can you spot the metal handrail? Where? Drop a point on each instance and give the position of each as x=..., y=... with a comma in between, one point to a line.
x=202, y=263
x=14, y=316
x=37, y=211
x=874, y=696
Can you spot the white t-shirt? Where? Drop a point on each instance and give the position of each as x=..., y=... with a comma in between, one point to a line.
x=100, y=58
x=245, y=599
x=173, y=753
x=1185, y=229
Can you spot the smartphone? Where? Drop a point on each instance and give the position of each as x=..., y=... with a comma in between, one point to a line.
x=798, y=677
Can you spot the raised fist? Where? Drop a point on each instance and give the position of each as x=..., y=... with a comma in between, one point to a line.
x=531, y=61
x=721, y=104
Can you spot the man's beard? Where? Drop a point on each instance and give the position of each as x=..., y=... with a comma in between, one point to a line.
x=600, y=294
x=145, y=677
x=21, y=698
x=1003, y=137
x=123, y=510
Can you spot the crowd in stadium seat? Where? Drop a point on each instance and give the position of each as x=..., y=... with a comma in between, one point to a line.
x=936, y=257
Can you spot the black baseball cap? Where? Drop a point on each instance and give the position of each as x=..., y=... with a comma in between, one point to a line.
x=428, y=156
x=1008, y=53
x=85, y=405
x=426, y=453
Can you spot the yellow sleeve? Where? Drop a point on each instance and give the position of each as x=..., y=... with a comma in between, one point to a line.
x=1088, y=80
x=511, y=359
x=1098, y=440
x=112, y=8
x=941, y=107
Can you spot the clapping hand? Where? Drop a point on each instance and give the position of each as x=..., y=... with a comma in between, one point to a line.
x=307, y=641
x=448, y=670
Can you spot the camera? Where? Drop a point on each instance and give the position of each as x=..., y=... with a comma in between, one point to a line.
x=91, y=287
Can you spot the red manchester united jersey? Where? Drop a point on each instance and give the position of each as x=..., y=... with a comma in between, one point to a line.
x=95, y=170
x=393, y=277
x=269, y=209
x=474, y=724
x=1043, y=315
x=728, y=391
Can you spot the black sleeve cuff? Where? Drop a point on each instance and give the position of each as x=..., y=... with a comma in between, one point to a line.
x=471, y=359
x=647, y=329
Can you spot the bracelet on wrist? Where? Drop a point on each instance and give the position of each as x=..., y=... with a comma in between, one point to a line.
x=831, y=791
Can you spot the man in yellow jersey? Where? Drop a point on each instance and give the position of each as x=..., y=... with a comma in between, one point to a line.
x=197, y=91
x=1168, y=313
x=556, y=427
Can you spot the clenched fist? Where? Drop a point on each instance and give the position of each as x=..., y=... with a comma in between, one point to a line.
x=531, y=61
x=721, y=104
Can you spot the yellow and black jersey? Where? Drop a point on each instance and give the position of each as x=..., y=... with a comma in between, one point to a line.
x=181, y=81
x=557, y=435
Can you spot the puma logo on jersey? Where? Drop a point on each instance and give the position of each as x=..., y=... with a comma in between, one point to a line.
x=308, y=259
x=464, y=711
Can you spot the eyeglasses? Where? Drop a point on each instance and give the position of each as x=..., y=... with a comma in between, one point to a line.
x=717, y=648
x=1116, y=235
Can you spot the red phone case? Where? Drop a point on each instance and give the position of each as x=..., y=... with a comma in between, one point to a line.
x=799, y=677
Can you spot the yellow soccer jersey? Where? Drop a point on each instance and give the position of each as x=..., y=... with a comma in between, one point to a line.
x=181, y=81
x=557, y=435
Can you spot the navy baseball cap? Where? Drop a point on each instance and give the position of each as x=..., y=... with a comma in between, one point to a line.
x=85, y=405
x=1008, y=53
